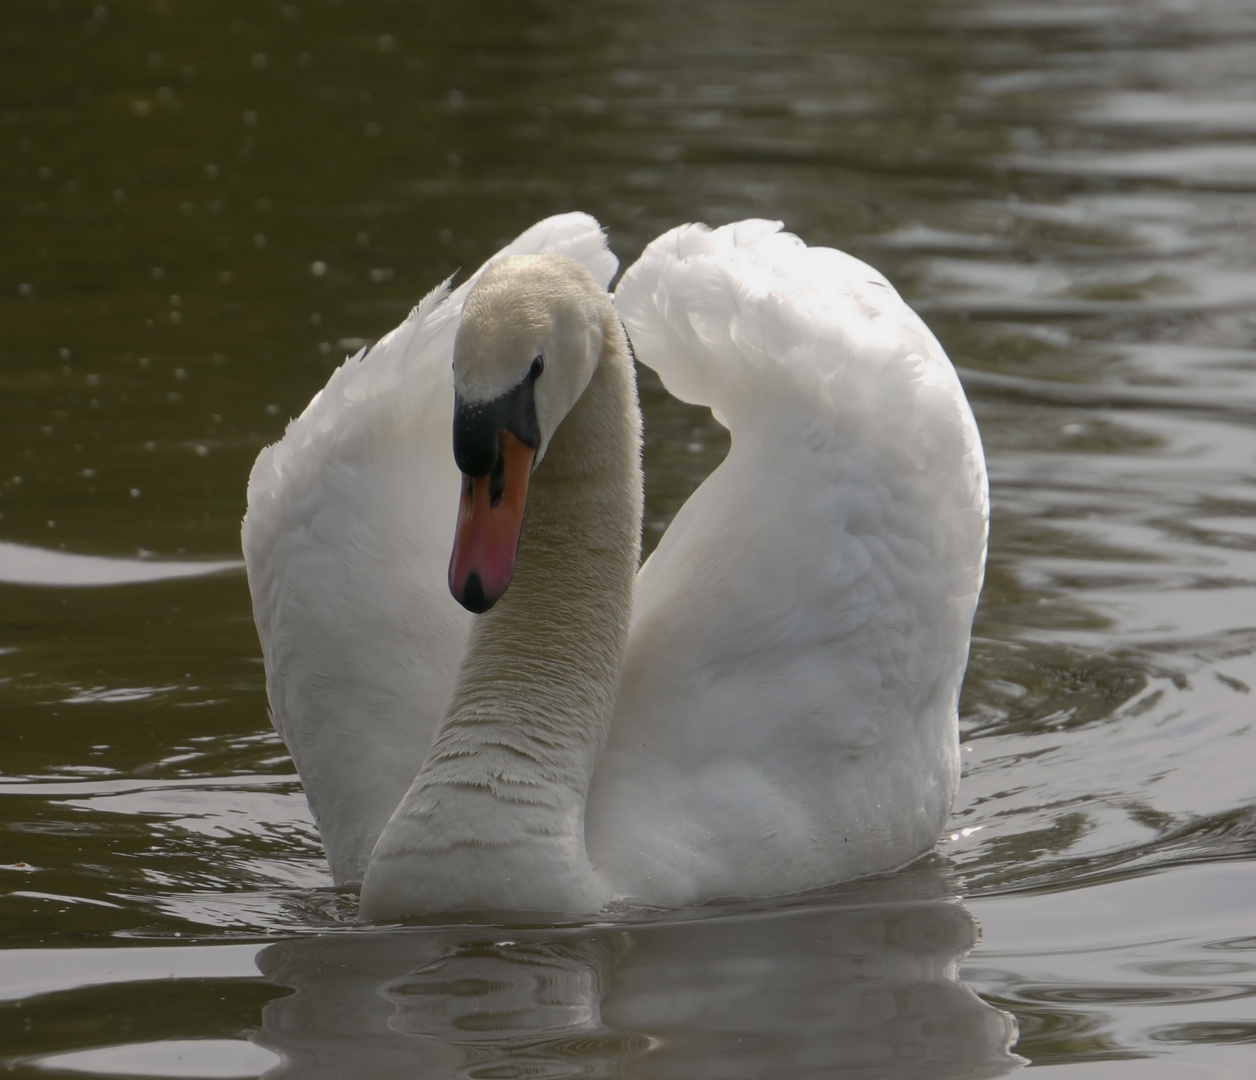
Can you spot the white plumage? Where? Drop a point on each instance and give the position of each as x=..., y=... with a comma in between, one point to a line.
x=786, y=715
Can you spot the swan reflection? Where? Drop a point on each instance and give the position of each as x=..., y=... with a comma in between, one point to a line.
x=862, y=985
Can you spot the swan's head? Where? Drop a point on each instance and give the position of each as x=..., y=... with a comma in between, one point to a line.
x=530, y=338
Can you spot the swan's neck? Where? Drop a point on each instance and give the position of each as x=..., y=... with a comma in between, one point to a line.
x=495, y=817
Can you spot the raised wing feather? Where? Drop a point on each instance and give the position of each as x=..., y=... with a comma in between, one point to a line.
x=788, y=709
x=347, y=538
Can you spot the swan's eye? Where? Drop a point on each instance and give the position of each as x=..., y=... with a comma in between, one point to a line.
x=538, y=365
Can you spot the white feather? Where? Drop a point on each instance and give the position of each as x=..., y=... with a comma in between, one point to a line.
x=787, y=714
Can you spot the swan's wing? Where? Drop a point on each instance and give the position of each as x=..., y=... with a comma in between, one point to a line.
x=347, y=538
x=788, y=709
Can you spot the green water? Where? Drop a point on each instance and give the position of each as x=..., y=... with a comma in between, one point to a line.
x=205, y=205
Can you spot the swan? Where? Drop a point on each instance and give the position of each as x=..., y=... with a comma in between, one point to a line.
x=531, y=723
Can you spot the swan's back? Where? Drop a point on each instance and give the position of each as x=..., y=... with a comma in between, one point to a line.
x=347, y=538
x=788, y=710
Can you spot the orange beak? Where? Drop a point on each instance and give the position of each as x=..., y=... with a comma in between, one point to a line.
x=490, y=521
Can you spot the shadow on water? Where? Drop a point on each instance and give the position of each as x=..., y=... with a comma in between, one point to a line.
x=863, y=984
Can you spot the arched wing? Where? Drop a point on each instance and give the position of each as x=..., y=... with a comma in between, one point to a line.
x=787, y=712
x=347, y=538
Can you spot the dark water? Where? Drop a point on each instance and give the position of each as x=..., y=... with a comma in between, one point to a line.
x=204, y=205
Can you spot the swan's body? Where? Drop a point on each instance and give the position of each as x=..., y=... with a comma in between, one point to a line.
x=770, y=707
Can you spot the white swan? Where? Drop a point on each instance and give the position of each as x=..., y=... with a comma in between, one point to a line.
x=769, y=705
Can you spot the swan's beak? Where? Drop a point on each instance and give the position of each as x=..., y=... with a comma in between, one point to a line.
x=490, y=520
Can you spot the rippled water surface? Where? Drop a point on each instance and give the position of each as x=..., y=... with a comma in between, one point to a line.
x=204, y=206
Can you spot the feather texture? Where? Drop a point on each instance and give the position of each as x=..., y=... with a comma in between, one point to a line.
x=787, y=713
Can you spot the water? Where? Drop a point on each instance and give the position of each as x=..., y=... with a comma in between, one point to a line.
x=205, y=206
